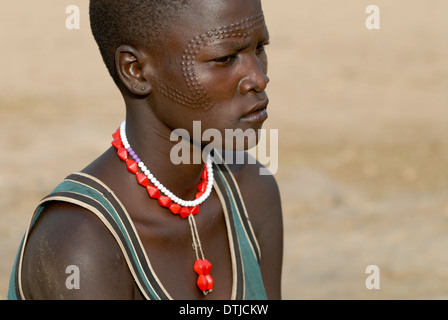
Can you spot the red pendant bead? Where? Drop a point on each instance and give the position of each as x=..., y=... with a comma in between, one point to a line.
x=184, y=212
x=153, y=192
x=194, y=210
x=117, y=144
x=117, y=135
x=132, y=166
x=210, y=282
x=175, y=208
x=198, y=195
x=204, y=175
x=202, y=186
x=164, y=201
x=199, y=267
x=123, y=154
x=142, y=179
x=202, y=283
x=202, y=267
x=207, y=266
x=205, y=283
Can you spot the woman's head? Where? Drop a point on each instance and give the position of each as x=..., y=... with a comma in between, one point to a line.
x=137, y=23
x=192, y=60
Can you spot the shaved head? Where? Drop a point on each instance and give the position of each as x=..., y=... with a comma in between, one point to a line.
x=137, y=23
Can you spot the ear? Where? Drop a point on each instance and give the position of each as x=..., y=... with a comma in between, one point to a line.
x=130, y=66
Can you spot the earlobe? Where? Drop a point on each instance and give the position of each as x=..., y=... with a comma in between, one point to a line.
x=129, y=64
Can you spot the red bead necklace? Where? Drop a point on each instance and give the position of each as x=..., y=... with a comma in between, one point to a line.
x=185, y=209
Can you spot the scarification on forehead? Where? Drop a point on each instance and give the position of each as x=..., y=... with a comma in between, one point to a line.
x=198, y=97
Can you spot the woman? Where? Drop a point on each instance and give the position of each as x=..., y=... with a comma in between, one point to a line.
x=212, y=230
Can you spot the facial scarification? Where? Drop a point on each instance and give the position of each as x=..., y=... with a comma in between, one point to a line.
x=198, y=97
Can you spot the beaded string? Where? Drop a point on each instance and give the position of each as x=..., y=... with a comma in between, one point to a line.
x=161, y=187
x=195, y=236
x=185, y=208
x=202, y=266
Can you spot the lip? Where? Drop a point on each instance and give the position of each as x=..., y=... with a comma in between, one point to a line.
x=258, y=113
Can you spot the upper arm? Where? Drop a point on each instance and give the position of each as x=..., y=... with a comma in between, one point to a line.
x=269, y=229
x=69, y=246
x=263, y=204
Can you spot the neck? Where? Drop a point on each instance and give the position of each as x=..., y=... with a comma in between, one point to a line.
x=150, y=139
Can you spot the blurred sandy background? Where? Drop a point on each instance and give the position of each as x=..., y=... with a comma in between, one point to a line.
x=362, y=118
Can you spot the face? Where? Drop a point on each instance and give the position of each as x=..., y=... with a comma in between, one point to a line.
x=213, y=69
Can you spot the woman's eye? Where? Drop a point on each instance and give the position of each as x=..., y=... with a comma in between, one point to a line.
x=226, y=60
x=261, y=47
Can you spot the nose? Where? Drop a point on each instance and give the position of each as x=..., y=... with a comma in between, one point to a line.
x=255, y=76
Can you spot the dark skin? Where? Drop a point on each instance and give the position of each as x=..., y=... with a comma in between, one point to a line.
x=233, y=73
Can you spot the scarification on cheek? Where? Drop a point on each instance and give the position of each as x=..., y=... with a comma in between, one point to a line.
x=198, y=96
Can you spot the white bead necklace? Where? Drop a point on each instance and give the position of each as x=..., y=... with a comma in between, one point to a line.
x=161, y=187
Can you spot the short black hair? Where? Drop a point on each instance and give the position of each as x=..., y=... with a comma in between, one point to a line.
x=138, y=23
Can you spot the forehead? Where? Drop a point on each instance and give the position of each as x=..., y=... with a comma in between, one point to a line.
x=209, y=13
x=237, y=29
x=214, y=20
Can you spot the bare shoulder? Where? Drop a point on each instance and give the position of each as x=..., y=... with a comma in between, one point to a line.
x=261, y=197
x=70, y=254
x=260, y=190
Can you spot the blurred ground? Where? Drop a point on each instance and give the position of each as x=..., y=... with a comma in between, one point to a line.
x=362, y=118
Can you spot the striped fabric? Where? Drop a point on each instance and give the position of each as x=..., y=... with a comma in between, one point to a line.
x=90, y=193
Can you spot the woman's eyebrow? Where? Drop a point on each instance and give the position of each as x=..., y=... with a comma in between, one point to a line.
x=237, y=45
x=233, y=44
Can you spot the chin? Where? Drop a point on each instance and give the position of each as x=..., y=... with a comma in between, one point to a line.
x=232, y=139
x=240, y=140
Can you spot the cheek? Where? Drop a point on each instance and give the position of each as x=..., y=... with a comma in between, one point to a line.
x=200, y=88
x=220, y=84
x=184, y=85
